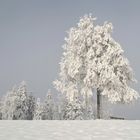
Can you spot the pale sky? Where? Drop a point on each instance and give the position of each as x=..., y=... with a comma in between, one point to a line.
x=32, y=33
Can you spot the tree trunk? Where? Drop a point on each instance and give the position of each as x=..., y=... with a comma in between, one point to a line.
x=98, y=104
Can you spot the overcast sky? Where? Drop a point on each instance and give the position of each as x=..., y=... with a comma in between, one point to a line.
x=32, y=33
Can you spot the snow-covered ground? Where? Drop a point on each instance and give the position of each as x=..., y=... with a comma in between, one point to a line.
x=70, y=130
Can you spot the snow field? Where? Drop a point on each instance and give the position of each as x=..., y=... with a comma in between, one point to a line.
x=70, y=130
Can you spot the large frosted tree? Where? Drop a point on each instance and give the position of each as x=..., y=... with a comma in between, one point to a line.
x=92, y=59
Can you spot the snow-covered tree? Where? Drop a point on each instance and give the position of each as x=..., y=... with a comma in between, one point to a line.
x=38, y=110
x=17, y=105
x=8, y=104
x=71, y=107
x=0, y=109
x=48, y=107
x=61, y=105
x=74, y=110
x=31, y=107
x=21, y=103
x=89, y=108
x=56, y=115
x=92, y=59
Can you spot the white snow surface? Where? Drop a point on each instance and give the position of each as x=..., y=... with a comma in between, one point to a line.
x=70, y=130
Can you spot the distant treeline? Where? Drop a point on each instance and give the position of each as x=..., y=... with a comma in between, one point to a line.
x=18, y=104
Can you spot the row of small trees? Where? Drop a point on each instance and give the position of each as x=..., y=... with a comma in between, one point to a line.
x=19, y=104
